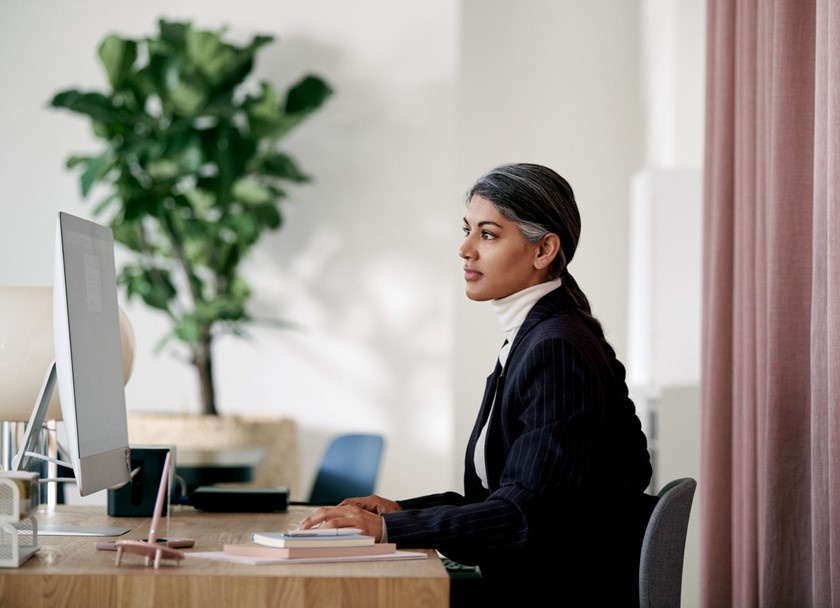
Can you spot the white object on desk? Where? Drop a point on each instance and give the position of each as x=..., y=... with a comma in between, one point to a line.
x=323, y=532
x=280, y=539
x=19, y=496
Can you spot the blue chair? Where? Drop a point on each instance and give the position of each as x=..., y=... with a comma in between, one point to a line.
x=349, y=467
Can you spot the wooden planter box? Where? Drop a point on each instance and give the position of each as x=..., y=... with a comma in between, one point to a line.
x=277, y=437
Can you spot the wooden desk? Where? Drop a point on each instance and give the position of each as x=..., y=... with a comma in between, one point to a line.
x=69, y=572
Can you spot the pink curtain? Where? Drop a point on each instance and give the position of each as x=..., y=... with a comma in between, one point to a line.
x=770, y=490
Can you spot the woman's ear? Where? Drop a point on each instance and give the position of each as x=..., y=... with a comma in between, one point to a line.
x=546, y=251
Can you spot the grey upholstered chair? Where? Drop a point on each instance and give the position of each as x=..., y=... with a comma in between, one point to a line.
x=663, y=548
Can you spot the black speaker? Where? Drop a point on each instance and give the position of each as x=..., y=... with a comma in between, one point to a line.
x=240, y=500
x=137, y=498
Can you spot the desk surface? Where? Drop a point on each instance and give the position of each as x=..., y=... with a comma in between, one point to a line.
x=67, y=571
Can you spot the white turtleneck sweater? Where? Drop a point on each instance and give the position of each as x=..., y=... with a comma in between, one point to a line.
x=511, y=311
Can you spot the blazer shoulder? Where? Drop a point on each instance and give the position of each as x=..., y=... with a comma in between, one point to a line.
x=552, y=317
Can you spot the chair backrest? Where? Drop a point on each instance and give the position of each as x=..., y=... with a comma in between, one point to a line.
x=663, y=548
x=349, y=468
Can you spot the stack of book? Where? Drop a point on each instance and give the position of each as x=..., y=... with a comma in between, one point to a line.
x=311, y=544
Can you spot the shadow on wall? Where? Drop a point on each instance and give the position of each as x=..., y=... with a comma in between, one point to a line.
x=363, y=268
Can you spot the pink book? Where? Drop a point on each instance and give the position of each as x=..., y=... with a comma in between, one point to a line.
x=255, y=550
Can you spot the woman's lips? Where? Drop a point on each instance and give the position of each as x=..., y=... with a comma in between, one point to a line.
x=470, y=274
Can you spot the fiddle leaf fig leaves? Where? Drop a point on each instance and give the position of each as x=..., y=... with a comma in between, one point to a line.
x=191, y=169
x=118, y=56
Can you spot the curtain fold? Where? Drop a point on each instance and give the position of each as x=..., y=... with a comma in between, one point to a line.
x=825, y=328
x=771, y=306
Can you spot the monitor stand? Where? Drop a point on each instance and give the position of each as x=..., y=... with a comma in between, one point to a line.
x=78, y=530
x=36, y=420
x=29, y=444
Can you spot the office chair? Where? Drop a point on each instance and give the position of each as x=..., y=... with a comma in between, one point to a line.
x=663, y=548
x=349, y=467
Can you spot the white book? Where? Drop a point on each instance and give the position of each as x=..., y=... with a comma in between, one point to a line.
x=283, y=539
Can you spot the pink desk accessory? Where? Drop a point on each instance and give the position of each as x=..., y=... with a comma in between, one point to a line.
x=151, y=548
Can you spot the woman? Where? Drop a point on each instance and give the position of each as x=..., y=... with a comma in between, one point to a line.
x=556, y=467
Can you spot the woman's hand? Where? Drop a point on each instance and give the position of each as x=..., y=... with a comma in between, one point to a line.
x=345, y=517
x=374, y=504
x=363, y=513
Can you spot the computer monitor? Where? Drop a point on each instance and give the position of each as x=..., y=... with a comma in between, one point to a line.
x=88, y=359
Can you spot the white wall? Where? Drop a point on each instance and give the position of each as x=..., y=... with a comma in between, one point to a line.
x=428, y=95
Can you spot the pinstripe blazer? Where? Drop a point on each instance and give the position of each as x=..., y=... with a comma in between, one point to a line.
x=567, y=466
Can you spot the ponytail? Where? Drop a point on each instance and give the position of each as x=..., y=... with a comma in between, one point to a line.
x=581, y=303
x=576, y=294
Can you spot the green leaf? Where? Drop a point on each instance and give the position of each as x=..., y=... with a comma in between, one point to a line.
x=279, y=193
x=174, y=33
x=188, y=329
x=201, y=200
x=95, y=105
x=188, y=97
x=140, y=203
x=245, y=227
x=263, y=111
x=231, y=153
x=95, y=170
x=251, y=192
x=162, y=169
x=244, y=62
x=128, y=233
x=212, y=57
x=269, y=215
x=153, y=286
x=75, y=160
x=229, y=258
x=224, y=307
x=110, y=130
x=118, y=56
x=161, y=73
x=301, y=100
x=282, y=166
x=307, y=95
x=240, y=289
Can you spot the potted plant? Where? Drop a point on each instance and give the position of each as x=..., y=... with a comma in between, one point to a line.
x=192, y=172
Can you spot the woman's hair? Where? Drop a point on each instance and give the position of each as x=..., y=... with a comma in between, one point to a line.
x=540, y=202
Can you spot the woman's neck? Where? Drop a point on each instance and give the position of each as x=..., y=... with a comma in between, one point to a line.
x=512, y=310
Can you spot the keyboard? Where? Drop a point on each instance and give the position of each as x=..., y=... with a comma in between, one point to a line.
x=457, y=570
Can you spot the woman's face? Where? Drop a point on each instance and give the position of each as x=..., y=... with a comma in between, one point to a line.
x=498, y=261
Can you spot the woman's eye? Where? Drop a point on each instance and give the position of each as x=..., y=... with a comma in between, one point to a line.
x=466, y=230
x=487, y=235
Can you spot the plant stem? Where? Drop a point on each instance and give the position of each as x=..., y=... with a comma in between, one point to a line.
x=203, y=361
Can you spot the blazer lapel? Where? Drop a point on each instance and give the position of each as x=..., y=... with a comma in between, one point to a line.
x=481, y=420
x=544, y=308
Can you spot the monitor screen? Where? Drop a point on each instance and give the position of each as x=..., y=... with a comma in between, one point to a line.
x=88, y=356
